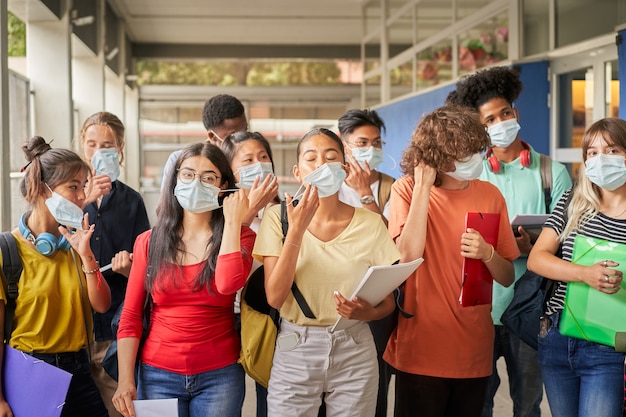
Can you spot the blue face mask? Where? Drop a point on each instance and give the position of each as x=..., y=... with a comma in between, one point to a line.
x=64, y=211
x=469, y=169
x=373, y=156
x=327, y=178
x=504, y=133
x=248, y=173
x=606, y=171
x=106, y=161
x=197, y=197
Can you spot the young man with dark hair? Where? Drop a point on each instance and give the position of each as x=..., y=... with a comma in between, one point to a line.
x=364, y=186
x=222, y=115
x=514, y=167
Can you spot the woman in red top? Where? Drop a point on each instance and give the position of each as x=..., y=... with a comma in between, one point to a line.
x=196, y=260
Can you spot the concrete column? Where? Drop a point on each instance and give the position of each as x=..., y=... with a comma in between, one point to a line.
x=132, y=161
x=5, y=159
x=87, y=87
x=48, y=45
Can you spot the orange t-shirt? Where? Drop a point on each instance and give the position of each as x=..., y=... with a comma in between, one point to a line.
x=444, y=339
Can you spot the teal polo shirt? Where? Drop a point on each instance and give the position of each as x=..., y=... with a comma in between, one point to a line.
x=522, y=190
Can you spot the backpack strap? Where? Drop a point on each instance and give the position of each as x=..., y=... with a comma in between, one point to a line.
x=384, y=190
x=545, y=167
x=12, y=269
x=304, y=306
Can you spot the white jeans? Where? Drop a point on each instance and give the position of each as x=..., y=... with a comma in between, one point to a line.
x=310, y=361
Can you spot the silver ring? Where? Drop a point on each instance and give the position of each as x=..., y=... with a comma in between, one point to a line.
x=605, y=263
x=606, y=278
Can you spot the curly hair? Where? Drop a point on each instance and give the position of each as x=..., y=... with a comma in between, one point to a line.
x=476, y=89
x=443, y=136
x=219, y=108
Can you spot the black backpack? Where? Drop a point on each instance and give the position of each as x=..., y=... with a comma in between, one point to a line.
x=12, y=270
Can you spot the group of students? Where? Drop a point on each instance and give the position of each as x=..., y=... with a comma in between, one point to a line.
x=219, y=213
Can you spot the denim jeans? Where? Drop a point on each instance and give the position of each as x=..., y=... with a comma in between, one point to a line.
x=217, y=393
x=525, y=384
x=582, y=379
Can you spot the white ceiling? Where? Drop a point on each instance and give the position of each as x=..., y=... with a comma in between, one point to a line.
x=242, y=21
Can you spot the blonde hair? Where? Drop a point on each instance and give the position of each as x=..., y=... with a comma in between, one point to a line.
x=587, y=196
x=113, y=123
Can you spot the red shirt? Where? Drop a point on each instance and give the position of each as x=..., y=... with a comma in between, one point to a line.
x=190, y=331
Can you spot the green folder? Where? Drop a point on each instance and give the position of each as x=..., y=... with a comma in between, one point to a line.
x=588, y=313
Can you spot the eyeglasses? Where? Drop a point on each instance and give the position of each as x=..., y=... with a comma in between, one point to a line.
x=364, y=143
x=187, y=175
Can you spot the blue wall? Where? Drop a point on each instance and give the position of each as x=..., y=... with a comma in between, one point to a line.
x=401, y=117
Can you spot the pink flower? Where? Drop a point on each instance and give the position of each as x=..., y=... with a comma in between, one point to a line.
x=502, y=34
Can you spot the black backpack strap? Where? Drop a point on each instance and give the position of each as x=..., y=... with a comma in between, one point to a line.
x=12, y=269
x=545, y=168
x=304, y=306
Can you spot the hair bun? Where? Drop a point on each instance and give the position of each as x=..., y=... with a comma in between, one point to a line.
x=35, y=147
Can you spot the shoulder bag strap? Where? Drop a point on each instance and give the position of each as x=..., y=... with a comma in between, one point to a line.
x=304, y=306
x=12, y=269
x=545, y=167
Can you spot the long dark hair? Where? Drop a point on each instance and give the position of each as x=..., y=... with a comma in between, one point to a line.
x=166, y=242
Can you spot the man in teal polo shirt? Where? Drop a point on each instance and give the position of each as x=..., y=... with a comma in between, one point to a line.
x=514, y=167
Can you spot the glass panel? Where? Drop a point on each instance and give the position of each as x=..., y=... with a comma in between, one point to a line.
x=612, y=89
x=578, y=20
x=483, y=45
x=401, y=79
x=434, y=65
x=575, y=106
x=465, y=8
x=536, y=30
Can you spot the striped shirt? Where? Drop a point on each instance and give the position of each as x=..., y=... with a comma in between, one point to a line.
x=599, y=226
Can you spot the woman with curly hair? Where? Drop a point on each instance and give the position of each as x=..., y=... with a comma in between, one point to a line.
x=443, y=354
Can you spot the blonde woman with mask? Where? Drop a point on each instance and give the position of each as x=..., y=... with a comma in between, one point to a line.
x=119, y=216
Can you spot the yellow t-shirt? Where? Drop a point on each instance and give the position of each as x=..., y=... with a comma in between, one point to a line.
x=50, y=316
x=325, y=267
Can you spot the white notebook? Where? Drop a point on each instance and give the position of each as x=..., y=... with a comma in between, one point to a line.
x=377, y=283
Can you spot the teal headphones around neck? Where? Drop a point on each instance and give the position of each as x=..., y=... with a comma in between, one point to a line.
x=46, y=243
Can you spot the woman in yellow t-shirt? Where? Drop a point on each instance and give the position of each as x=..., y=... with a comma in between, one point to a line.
x=61, y=281
x=327, y=249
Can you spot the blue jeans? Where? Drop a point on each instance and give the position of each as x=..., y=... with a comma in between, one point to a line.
x=582, y=379
x=217, y=393
x=525, y=384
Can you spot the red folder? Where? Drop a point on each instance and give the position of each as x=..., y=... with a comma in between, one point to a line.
x=477, y=284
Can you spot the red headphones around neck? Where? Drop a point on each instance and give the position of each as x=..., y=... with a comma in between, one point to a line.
x=494, y=164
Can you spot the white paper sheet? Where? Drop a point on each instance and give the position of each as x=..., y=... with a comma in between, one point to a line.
x=377, y=283
x=156, y=408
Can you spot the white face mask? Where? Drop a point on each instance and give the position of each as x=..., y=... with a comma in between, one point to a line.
x=327, y=179
x=64, y=211
x=373, y=156
x=606, y=171
x=468, y=170
x=504, y=133
x=106, y=161
x=248, y=173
